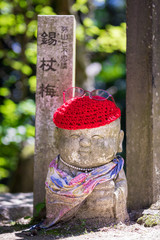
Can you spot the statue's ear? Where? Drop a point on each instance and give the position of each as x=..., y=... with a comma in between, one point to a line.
x=121, y=137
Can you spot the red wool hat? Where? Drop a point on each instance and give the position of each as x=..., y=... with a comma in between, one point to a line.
x=83, y=112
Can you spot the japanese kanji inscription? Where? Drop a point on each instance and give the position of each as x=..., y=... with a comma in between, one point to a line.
x=59, y=39
x=49, y=38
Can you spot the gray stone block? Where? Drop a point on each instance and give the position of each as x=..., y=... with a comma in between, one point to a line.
x=16, y=206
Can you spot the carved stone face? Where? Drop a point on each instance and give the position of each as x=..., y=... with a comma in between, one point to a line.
x=90, y=147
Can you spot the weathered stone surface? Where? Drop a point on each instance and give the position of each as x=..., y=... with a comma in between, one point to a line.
x=90, y=148
x=55, y=73
x=151, y=212
x=143, y=101
x=16, y=206
x=155, y=205
x=105, y=202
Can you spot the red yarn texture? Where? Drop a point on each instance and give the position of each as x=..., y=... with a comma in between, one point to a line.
x=82, y=113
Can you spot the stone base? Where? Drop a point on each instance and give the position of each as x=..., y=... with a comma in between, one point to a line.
x=101, y=204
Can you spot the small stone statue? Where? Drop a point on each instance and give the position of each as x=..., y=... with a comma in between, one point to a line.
x=87, y=180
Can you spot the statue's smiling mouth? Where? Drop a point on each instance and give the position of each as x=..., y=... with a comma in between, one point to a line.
x=84, y=151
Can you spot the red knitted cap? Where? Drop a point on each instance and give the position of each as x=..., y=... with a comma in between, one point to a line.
x=83, y=112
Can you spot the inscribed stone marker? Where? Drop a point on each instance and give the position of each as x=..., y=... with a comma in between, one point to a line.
x=55, y=73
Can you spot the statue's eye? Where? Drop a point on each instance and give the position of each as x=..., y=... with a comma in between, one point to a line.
x=96, y=137
x=74, y=136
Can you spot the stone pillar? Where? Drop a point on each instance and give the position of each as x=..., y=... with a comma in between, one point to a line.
x=143, y=102
x=55, y=73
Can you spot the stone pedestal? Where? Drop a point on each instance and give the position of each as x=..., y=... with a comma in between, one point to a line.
x=99, y=204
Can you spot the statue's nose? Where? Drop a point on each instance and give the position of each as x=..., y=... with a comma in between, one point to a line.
x=85, y=142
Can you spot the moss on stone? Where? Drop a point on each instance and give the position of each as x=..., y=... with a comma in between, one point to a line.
x=149, y=220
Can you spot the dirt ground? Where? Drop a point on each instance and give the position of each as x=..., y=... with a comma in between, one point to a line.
x=82, y=231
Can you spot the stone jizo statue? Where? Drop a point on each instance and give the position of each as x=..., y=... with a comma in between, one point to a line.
x=86, y=180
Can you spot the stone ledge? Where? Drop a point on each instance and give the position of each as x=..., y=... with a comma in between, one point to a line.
x=15, y=206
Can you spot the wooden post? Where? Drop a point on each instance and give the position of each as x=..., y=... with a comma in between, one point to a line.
x=143, y=102
x=55, y=73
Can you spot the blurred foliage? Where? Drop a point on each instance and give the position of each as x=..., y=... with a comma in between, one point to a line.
x=100, y=29
x=110, y=39
x=103, y=33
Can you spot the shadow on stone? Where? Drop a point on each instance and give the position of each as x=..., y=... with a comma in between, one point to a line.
x=16, y=206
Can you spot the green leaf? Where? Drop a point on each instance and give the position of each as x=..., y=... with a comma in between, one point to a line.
x=30, y=130
x=26, y=69
x=80, y=33
x=27, y=107
x=47, y=10
x=80, y=5
x=30, y=14
x=16, y=65
x=8, y=108
x=31, y=28
x=3, y=173
x=23, y=3
x=3, y=162
x=5, y=7
x=27, y=217
x=31, y=52
x=32, y=83
x=88, y=22
x=4, y=92
x=3, y=188
x=93, y=30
